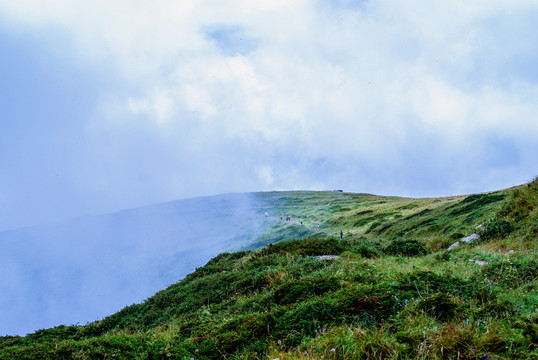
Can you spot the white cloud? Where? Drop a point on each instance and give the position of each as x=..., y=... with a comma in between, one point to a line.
x=265, y=175
x=361, y=87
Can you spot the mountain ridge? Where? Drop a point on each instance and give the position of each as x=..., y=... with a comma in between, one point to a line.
x=390, y=289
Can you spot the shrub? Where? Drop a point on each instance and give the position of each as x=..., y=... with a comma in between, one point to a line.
x=303, y=318
x=298, y=290
x=366, y=250
x=421, y=283
x=439, y=306
x=405, y=248
x=307, y=247
x=511, y=272
x=368, y=305
x=497, y=230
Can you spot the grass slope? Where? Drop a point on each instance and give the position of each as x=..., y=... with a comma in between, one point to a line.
x=388, y=290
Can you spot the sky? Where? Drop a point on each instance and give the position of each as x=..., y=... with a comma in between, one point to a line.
x=115, y=105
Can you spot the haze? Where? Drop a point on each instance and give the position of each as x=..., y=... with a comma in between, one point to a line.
x=82, y=270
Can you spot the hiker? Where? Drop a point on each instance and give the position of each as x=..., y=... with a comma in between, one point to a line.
x=280, y=217
x=341, y=234
x=266, y=214
x=318, y=227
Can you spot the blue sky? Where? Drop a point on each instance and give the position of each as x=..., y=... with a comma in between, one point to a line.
x=112, y=105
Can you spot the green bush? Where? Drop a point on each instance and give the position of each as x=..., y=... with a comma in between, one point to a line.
x=510, y=272
x=368, y=304
x=366, y=250
x=405, y=248
x=421, y=283
x=439, y=306
x=305, y=317
x=301, y=289
x=497, y=230
x=307, y=247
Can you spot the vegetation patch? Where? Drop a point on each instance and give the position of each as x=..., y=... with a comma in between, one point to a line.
x=440, y=306
x=497, y=229
x=405, y=248
x=475, y=202
x=298, y=290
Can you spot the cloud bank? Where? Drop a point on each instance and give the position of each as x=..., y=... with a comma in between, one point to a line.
x=197, y=97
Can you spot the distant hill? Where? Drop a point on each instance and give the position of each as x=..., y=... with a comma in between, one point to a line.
x=83, y=269
x=388, y=289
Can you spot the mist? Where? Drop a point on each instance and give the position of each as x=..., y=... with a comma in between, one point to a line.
x=82, y=270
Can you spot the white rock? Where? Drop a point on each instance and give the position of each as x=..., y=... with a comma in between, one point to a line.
x=470, y=238
x=327, y=257
x=467, y=239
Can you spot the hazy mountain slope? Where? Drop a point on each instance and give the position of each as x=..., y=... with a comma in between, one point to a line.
x=387, y=292
x=84, y=269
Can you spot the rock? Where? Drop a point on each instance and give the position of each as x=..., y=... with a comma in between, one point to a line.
x=479, y=262
x=467, y=239
x=327, y=257
x=470, y=238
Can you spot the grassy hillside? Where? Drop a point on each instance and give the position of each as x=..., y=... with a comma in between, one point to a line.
x=367, y=216
x=389, y=289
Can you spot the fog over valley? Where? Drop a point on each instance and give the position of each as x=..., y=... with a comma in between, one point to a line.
x=81, y=270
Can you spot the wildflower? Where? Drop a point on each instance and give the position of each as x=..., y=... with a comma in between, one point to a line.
x=196, y=350
x=333, y=350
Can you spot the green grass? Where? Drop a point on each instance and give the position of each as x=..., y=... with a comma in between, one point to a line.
x=389, y=291
x=362, y=216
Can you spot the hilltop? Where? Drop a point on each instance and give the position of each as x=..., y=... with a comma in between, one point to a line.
x=389, y=289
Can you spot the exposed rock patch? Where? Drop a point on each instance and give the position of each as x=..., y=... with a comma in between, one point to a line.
x=327, y=257
x=467, y=239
